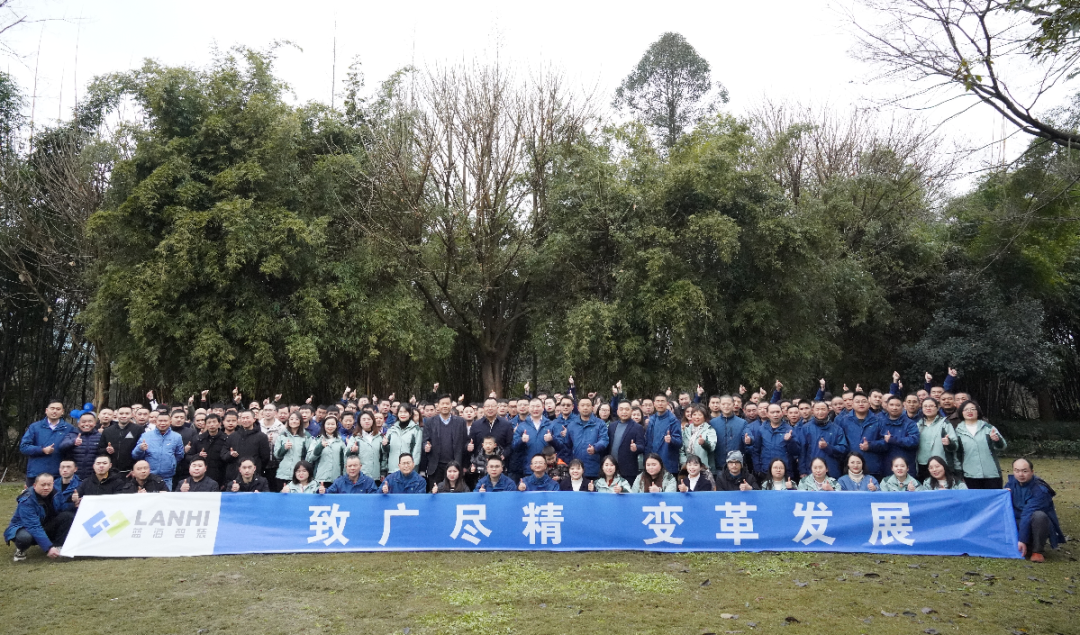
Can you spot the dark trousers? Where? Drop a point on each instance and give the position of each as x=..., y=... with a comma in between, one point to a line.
x=56, y=529
x=983, y=483
x=923, y=473
x=438, y=475
x=1040, y=532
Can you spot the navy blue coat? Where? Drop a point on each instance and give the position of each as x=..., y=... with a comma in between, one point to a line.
x=628, y=460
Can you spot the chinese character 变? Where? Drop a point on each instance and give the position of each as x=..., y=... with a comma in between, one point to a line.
x=328, y=524
x=736, y=525
x=470, y=519
x=545, y=520
x=662, y=520
x=891, y=521
x=814, y=523
x=390, y=513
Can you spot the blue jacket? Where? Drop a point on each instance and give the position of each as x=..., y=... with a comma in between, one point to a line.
x=84, y=453
x=29, y=514
x=163, y=451
x=833, y=453
x=505, y=484
x=848, y=485
x=64, y=492
x=903, y=441
x=658, y=428
x=523, y=452
x=411, y=484
x=37, y=436
x=542, y=484
x=869, y=429
x=579, y=436
x=1034, y=496
x=769, y=445
x=730, y=433
x=342, y=485
x=628, y=467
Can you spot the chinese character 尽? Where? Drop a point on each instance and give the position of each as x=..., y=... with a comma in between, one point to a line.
x=327, y=524
x=470, y=521
x=814, y=524
x=736, y=524
x=891, y=522
x=545, y=520
x=662, y=520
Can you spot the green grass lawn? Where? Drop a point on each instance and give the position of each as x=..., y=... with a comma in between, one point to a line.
x=601, y=593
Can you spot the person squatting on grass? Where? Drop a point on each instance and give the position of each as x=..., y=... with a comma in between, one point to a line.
x=929, y=439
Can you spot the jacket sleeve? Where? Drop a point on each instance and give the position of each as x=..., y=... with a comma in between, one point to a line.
x=949, y=382
x=226, y=451
x=558, y=441
x=894, y=389
x=819, y=395
x=840, y=447
x=29, y=444
x=138, y=453
x=676, y=434
x=32, y=524
x=777, y=395
x=909, y=440
x=178, y=451
x=710, y=438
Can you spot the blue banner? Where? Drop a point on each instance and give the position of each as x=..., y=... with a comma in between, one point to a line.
x=973, y=522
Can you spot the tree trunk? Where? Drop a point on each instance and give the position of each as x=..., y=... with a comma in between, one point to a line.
x=102, y=378
x=491, y=371
x=1046, y=405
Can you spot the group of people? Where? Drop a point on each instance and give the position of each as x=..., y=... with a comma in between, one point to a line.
x=929, y=439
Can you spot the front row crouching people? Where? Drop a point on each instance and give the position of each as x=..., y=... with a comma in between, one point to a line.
x=1033, y=506
x=406, y=480
x=247, y=480
x=197, y=480
x=655, y=478
x=610, y=481
x=900, y=480
x=778, y=477
x=40, y=518
x=353, y=481
x=453, y=482
x=143, y=481
x=818, y=480
x=495, y=480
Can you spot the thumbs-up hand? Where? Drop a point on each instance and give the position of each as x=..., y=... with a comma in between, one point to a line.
x=701, y=440
x=683, y=487
x=285, y=489
x=744, y=486
x=434, y=489
x=994, y=436
x=75, y=497
x=233, y=453
x=929, y=378
x=78, y=440
x=563, y=433
x=288, y=444
x=235, y=486
x=872, y=487
x=747, y=439
x=895, y=376
x=667, y=437
x=386, y=440
x=142, y=490
x=591, y=488
x=202, y=453
x=700, y=390
x=591, y=449
x=779, y=386
x=655, y=489
x=482, y=489
x=790, y=483
x=888, y=436
x=322, y=488
x=858, y=387
x=633, y=446
x=821, y=382
x=944, y=438
x=911, y=485
x=521, y=486
x=385, y=488
x=187, y=447
x=822, y=444
x=827, y=486
x=325, y=442
x=953, y=372
x=203, y=394
x=144, y=447
x=617, y=489
x=471, y=446
x=427, y=447
x=548, y=437
x=150, y=395
x=742, y=389
x=110, y=449
x=787, y=436
x=865, y=445
x=525, y=436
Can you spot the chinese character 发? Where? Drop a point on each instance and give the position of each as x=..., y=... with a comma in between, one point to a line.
x=390, y=513
x=545, y=520
x=662, y=520
x=470, y=518
x=736, y=525
x=891, y=522
x=814, y=525
x=327, y=524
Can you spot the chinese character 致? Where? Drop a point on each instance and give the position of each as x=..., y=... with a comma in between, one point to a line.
x=328, y=524
x=662, y=520
x=390, y=513
x=470, y=519
x=814, y=525
x=736, y=525
x=545, y=520
x=891, y=522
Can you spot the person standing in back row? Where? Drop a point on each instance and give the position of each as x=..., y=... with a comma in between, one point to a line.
x=445, y=440
x=45, y=441
x=119, y=441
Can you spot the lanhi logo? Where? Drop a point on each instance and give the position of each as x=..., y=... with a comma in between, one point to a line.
x=112, y=525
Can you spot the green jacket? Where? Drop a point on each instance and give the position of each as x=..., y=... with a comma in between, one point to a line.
x=930, y=440
x=329, y=461
x=975, y=453
x=371, y=452
x=601, y=485
x=928, y=484
x=691, y=446
x=301, y=445
x=808, y=484
x=401, y=441
x=295, y=488
x=669, y=484
x=890, y=484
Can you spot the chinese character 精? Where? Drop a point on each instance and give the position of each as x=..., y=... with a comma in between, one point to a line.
x=545, y=520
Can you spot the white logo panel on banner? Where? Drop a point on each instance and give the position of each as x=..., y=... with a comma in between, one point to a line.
x=145, y=525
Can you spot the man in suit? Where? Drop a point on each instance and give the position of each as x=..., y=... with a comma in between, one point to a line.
x=626, y=441
x=445, y=439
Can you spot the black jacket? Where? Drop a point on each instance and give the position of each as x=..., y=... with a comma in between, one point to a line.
x=434, y=429
x=207, y=484
x=123, y=441
x=187, y=435
x=567, y=485
x=501, y=430
x=92, y=486
x=153, y=484
x=213, y=446
x=252, y=445
x=725, y=482
x=628, y=467
x=257, y=484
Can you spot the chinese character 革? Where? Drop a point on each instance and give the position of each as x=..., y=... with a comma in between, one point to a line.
x=736, y=525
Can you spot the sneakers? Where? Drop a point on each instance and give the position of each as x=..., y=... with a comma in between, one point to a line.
x=1037, y=557
x=20, y=555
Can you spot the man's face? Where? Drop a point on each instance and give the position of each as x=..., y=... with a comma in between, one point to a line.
x=734, y=467
x=549, y=405
x=141, y=470
x=961, y=397
x=320, y=414
x=305, y=415
x=54, y=411
x=429, y=411
x=821, y=411
x=684, y=400
x=213, y=425
x=838, y=405
x=43, y=486
x=102, y=465
x=87, y=423
x=894, y=407
x=660, y=403
x=936, y=392
x=805, y=409
x=848, y=398
x=566, y=407
x=494, y=469
x=200, y=421
x=123, y=415
x=67, y=469
x=283, y=414
x=793, y=415
x=468, y=413
x=523, y=406
x=107, y=416
x=1022, y=471
x=585, y=408
x=162, y=422
x=405, y=464
x=197, y=469
x=491, y=409
x=511, y=408
x=750, y=410
x=536, y=408
x=737, y=400
x=177, y=419
x=727, y=406
x=776, y=415
x=230, y=423
x=269, y=414
x=142, y=415
x=444, y=406
x=714, y=405
x=503, y=409
x=647, y=407
x=489, y=445
x=352, y=468
x=247, y=470
x=911, y=403
x=384, y=406
x=861, y=404
x=247, y=419
x=538, y=465
x=623, y=412
x=875, y=399
x=947, y=400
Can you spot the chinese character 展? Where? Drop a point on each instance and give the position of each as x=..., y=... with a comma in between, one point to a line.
x=662, y=520
x=545, y=520
x=390, y=513
x=891, y=521
x=327, y=524
x=814, y=524
x=736, y=525
x=470, y=522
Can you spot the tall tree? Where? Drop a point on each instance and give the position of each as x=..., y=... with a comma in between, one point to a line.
x=667, y=89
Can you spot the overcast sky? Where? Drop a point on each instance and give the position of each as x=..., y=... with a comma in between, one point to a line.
x=782, y=49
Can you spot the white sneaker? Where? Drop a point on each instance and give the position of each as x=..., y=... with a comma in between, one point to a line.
x=20, y=555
